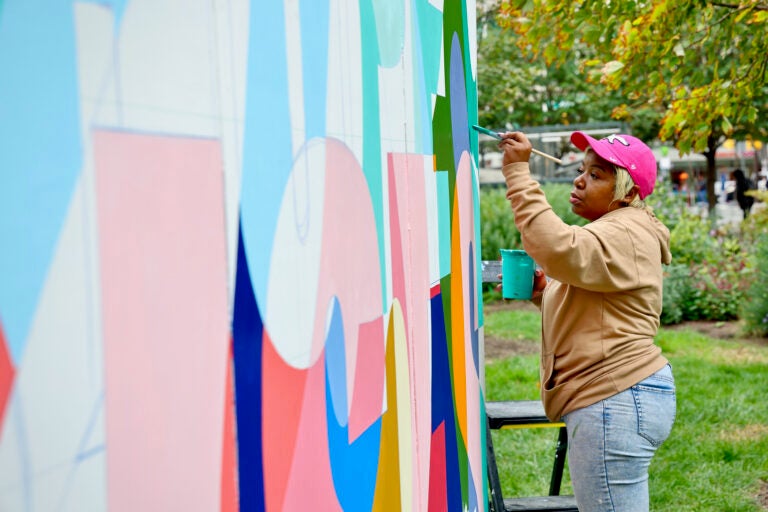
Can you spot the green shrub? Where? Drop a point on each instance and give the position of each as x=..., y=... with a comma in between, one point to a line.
x=711, y=276
x=691, y=240
x=717, y=289
x=676, y=288
x=667, y=206
x=717, y=271
x=755, y=307
x=497, y=223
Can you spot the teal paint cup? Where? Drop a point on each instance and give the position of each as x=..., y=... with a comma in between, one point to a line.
x=516, y=274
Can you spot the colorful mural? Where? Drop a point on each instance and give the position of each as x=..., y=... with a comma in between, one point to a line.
x=240, y=252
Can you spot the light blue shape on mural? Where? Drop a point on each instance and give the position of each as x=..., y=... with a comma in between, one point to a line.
x=354, y=465
x=390, y=30
x=459, y=116
x=335, y=363
x=314, y=56
x=40, y=151
x=267, y=152
x=116, y=6
x=268, y=156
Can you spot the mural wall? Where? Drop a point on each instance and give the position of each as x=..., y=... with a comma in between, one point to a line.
x=240, y=251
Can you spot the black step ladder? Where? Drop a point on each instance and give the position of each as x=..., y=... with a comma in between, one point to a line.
x=526, y=414
x=523, y=414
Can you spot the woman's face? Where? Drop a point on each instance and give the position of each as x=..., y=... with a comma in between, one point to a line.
x=593, y=188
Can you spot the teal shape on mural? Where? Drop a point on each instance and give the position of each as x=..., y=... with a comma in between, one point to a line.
x=390, y=30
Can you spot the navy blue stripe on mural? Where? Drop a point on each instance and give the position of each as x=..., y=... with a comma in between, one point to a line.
x=247, y=333
x=443, y=410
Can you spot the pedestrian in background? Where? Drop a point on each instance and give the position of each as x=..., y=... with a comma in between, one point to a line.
x=743, y=185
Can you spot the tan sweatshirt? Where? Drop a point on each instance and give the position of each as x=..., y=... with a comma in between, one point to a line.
x=600, y=312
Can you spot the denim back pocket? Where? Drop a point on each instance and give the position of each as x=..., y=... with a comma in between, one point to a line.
x=656, y=406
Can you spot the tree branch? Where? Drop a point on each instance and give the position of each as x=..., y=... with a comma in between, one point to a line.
x=737, y=6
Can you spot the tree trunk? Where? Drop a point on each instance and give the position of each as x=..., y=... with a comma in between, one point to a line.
x=711, y=175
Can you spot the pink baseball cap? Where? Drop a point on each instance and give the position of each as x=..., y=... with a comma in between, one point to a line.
x=625, y=151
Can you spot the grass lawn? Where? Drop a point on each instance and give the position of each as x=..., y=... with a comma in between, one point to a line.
x=717, y=456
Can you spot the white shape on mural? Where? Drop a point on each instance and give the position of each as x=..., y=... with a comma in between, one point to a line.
x=289, y=312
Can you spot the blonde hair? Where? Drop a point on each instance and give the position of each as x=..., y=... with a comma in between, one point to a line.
x=623, y=186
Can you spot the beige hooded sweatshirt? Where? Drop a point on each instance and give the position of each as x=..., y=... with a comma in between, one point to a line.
x=601, y=309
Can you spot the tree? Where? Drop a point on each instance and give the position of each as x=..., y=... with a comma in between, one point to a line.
x=516, y=89
x=701, y=65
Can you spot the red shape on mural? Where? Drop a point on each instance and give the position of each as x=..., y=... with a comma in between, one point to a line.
x=438, y=479
x=229, y=456
x=6, y=375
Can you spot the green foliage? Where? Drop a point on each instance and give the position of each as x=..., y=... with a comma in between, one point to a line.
x=710, y=274
x=667, y=206
x=497, y=226
x=706, y=74
x=717, y=289
x=514, y=90
x=755, y=308
x=677, y=288
x=498, y=230
x=690, y=71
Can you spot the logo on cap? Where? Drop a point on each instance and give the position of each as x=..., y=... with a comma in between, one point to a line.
x=621, y=139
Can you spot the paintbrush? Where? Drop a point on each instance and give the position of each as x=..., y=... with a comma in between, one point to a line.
x=497, y=135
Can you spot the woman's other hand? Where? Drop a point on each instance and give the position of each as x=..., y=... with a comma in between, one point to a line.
x=539, y=283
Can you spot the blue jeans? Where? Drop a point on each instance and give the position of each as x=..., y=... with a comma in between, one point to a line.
x=611, y=443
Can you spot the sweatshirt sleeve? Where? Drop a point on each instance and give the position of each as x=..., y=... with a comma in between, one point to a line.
x=598, y=257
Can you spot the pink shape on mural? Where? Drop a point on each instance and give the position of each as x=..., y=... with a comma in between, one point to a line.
x=410, y=284
x=6, y=375
x=368, y=393
x=465, y=190
x=349, y=262
x=165, y=318
x=311, y=480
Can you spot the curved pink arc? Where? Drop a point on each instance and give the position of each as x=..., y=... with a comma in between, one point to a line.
x=349, y=266
x=465, y=193
x=410, y=285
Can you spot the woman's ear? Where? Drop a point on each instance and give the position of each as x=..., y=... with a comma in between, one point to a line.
x=630, y=196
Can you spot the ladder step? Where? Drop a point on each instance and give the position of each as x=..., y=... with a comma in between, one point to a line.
x=541, y=504
x=515, y=412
